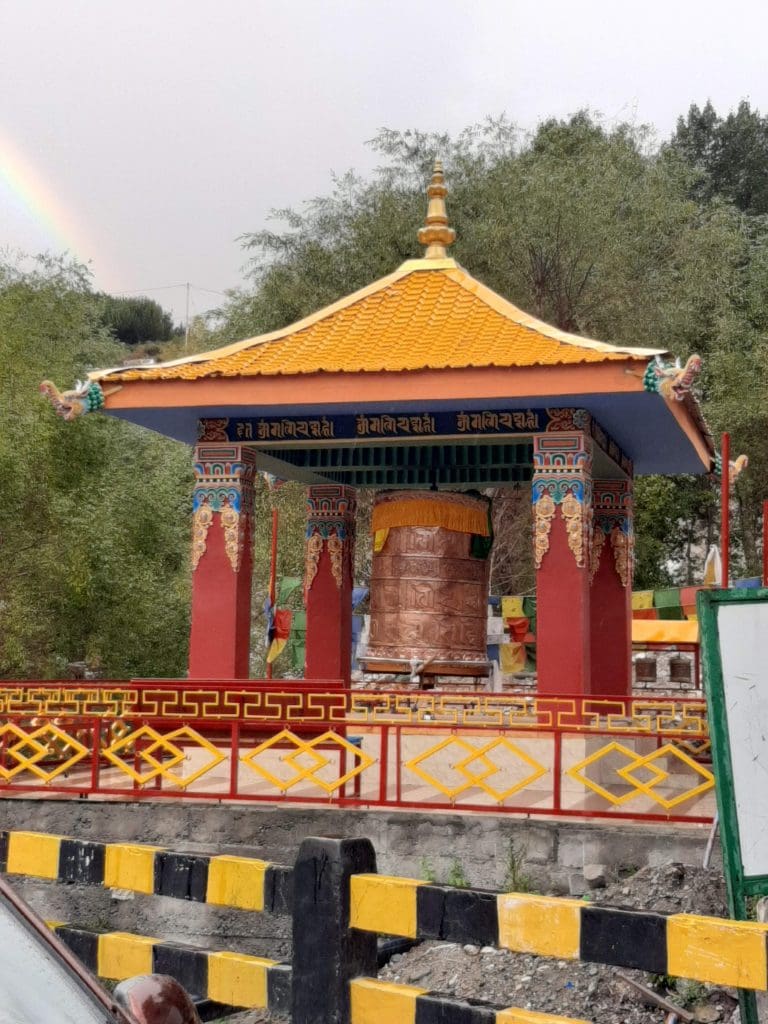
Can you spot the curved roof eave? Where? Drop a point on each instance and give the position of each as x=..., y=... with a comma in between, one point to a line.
x=488, y=302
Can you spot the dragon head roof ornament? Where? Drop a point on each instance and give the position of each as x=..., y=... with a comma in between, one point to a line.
x=85, y=397
x=671, y=380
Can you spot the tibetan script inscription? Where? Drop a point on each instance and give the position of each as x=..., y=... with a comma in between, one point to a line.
x=285, y=429
x=395, y=426
x=374, y=426
x=487, y=421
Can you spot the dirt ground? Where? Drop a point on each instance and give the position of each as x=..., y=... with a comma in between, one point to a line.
x=569, y=988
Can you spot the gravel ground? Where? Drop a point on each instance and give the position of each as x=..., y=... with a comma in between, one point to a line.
x=572, y=989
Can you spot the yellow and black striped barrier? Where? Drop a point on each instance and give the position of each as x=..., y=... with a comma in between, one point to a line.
x=375, y=1002
x=242, y=882
x=233, y=979
x=705, y=949
x=340, y=907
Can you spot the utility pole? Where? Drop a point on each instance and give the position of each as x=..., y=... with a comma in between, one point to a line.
x=186, y=323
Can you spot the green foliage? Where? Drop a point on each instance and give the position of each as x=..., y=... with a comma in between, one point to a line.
x=515, y=877
x=290, y=502
x=457, y=876
x=669, y=516
x=688, y=992
x=136, y=321
x=731, y=154
x=94, y=520
x=427, y=870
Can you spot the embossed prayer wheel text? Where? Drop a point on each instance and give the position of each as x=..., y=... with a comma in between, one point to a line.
x=429, y=591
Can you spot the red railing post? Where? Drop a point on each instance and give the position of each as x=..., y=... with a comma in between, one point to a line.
x=234, y=758
x=725, y=509
x=4, y=757
x=557, y=770
x=384, y=764
x=96, y=726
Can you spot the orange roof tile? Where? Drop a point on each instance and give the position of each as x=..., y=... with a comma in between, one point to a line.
x=430, y=314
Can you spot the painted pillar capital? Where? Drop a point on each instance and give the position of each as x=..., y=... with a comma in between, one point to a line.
x=612, y=522
x=562, y=509
x=562, y=478
x=224, y=476
x=331, y=512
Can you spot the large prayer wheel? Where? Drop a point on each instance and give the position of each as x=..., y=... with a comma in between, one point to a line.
x=429, y=579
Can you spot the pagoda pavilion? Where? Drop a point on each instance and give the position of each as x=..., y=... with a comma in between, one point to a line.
x=424, y=379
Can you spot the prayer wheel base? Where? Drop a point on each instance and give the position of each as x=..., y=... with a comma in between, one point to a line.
x=403, y=666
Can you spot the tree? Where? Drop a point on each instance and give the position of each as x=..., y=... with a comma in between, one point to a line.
x=592, y=229
x=675, y=521
x=136, y=321
x=94, y=523
x=731, y=154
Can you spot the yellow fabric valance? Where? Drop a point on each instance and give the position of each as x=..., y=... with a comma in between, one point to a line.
x=664, y=631
x=461, y=517
x=642, y=599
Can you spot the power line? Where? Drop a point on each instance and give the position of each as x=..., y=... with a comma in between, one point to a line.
x=166, y=287
x=199, y=288
x=158, y=288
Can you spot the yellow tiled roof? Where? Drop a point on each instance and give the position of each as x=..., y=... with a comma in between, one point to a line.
x=430, y=314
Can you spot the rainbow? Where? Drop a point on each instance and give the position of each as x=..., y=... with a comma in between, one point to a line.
x=25, y=191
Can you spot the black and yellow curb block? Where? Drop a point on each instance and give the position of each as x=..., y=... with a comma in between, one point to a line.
x=706, y=949
x=242, y=882
x=373, y=1002
x=233, y=979
x=340, y=907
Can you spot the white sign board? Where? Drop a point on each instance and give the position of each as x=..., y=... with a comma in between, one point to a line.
x=743, y=630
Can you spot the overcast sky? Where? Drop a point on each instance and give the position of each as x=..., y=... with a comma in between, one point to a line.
x=147, y=135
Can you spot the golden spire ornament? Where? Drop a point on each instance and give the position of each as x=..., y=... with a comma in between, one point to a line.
x=436, y=234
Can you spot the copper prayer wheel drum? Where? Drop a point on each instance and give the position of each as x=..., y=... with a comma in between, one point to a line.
x=429, y=595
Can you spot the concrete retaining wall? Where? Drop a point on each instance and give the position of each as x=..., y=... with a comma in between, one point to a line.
x=550, y=854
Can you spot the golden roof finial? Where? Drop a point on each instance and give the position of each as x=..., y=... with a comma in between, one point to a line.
x=436, y=234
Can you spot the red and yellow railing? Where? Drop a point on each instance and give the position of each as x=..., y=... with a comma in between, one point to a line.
x=595, y=757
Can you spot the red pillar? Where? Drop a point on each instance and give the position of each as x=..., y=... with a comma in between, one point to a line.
x=222, y=562
x=611, y=560
x=562, y=495
x=330, y=545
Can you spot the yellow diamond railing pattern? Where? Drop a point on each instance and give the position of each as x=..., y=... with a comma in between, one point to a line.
x=306, y=758
x=162, y=752
x=31, y=749
x=469, y=776
x=635, y=763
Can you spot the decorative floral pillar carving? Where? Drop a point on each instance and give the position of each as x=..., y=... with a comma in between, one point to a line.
x=222, y=562
x=562, y=517
x=329, y=561
x=611, y=564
